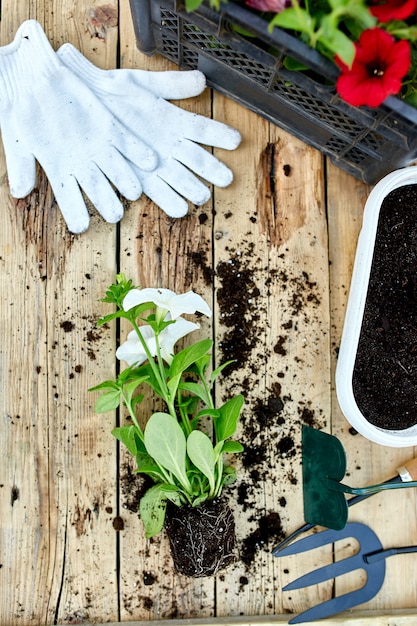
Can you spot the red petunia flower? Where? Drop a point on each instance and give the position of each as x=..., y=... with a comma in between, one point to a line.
x=377, y=70
x=393, y=9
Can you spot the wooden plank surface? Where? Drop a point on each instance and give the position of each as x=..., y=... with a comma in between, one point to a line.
x=71, y=546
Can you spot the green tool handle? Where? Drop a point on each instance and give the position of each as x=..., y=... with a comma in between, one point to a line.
x=360, y=491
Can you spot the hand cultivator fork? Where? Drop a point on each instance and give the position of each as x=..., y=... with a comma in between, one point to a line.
x=370, y=557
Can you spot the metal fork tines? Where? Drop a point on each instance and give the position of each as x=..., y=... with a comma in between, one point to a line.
x=369, y=543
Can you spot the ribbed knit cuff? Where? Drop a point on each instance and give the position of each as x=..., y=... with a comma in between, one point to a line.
x=29, y=58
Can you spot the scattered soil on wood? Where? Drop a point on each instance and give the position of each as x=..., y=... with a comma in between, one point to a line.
x=272, y=416
x=385, y=371
x=265, y=368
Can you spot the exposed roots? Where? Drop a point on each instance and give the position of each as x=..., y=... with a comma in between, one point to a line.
x=202, y=539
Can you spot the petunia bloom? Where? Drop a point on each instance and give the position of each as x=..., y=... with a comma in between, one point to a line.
x=271, y=6
x=133, y=352
x=389, y=10
x=377, y=70
x=167, y=301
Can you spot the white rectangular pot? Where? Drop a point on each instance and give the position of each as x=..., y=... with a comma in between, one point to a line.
x=355, y=311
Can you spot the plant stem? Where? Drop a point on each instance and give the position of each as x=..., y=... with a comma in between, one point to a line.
x=164, y=388
x=133, y=416
x=155, y=368
x=184, y=415
x=219, y=476
x=209, y=399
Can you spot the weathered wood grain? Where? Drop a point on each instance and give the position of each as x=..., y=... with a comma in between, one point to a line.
x=157, y=251
x=72, y=548
x=272, y=247
x=58, y=470
x=368, y=618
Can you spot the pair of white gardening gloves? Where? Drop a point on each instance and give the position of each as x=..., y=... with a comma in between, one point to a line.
x=95, y=130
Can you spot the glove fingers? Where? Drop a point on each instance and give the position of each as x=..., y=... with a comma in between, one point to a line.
x=134, y=149
x=120, y=173
x=164, y=196
x=71, y=203
x=99, y=191
x=184, y=182
x=210, y=132
x=203, y=163
x=170, y=85
x=21, y=172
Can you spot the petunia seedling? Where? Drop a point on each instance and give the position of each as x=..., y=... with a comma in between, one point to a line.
x=186, y=461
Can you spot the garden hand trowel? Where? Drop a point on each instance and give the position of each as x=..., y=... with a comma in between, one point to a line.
x=324, y=458
x=405, y=473
x=324, y=466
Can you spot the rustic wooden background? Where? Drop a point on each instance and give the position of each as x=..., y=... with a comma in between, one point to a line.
x=284, y=233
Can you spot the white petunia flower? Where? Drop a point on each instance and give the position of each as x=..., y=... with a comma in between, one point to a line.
x=133, y=352
x=168, y=301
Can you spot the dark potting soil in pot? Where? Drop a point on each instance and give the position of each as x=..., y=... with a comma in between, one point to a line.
x=385, y=370
x=202, y=539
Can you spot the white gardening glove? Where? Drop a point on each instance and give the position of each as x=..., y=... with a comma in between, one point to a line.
x=137, y=99
x=47, y=113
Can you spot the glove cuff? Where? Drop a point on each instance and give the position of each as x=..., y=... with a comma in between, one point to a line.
x=26, y=60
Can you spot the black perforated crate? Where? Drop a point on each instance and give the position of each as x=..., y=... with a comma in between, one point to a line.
x=367, y=143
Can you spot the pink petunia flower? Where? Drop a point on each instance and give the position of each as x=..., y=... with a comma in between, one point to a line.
x=389, y=10
x=270, y=6
x=377, y=70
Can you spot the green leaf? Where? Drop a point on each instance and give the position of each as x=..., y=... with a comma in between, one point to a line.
x=140, y=446
x=184, y=359
x=172, y=385
x=232, y=447
x=337, y=42
x=188, y=404
x=131, y=314
x=151, y=379
x=198, y=482
x=192, y=5
x=107, y=384
x=172, y=493
x=200, y=499
x=108, y=402
x=201, y=453
x=360, y=13
x=130, y=388
x=214, y=413
x=152, y=510
x=137, y=399
x=117, y=291
x=402, y=31
x=229, y=475
x=146, y=465
x=195, y=389
x=215, y=373
x=294, y=65
x=156, y=325
x=165, y=442
x=295, y=19
x=242, y=31
x=201, y=365
x=225, y=426
x=105, y=319
x=218, y=449
x=411, y=99
x=126, y=435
